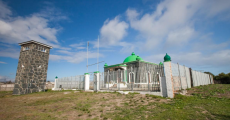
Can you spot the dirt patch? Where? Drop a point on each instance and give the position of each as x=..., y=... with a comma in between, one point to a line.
x=66, y=92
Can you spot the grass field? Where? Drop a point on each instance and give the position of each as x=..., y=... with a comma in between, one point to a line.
x=204, y=102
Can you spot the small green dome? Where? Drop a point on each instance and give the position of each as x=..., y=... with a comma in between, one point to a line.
x=133, y=57
x=138, y=58
x=160, y=63
x=105, y=65
x=167, y=58
x=56, y=77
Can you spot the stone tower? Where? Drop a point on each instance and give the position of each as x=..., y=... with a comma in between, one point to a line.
x=32, y=67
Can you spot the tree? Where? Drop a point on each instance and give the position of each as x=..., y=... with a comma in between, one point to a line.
x=223, y=78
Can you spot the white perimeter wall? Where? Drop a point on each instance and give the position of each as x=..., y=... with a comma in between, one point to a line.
x=182, y=79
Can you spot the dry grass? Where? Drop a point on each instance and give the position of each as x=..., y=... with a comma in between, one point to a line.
x=85, y=105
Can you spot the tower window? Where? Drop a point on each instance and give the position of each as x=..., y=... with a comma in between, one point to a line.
x=26, y=48
x=42, y=49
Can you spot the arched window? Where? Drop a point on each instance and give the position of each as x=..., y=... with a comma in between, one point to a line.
x=131, y=77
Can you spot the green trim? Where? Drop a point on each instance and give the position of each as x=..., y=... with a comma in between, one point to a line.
x=96, y=72
x=149, y=62
x=117, y=65
x=86, y=73
x=122, y=64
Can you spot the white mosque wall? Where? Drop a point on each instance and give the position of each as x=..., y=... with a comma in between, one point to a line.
x=188, y=78
x=182, y=78
x=163, y=87
x=180, y=82
x=200, y=78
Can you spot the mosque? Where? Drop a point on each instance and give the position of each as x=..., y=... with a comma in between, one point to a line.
x=133, y=61
x=135, y=70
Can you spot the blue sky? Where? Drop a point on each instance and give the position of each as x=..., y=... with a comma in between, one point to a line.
x=194, y=33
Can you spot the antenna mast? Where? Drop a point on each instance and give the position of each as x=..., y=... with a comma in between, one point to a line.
x=87, y=55
x=98, y=54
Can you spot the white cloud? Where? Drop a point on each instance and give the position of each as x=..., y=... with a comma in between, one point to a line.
x=74, y=57
x=206, y=43
x=81, y=48
x=2, y=62
x=78, y=46
x=10, y=52
x=36, y=27
x=6, y=78
x=112, y=32
x=180, y=36
x=14, y=30
x=2, y=77
x=29, y=28
x=216, y=59
x=4, y=10
x=173, y=21
x=65, y=52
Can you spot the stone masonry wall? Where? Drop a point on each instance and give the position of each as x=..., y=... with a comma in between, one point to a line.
x=32, y=77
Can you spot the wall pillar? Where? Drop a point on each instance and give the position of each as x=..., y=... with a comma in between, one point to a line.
x=169, y=79
x=55, y=84
x=96, y=81
x=86, y=81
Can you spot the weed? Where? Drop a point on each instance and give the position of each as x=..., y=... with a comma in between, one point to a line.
x=126, y=103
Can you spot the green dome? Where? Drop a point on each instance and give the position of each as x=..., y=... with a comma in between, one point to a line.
x=133, y=57
x=167, y=58
x=138, y=58
x=105, y=65
x=56, y=77
x=160, y=63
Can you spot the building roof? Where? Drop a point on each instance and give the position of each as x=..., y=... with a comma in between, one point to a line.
x=32, y=41
x=133, y=57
